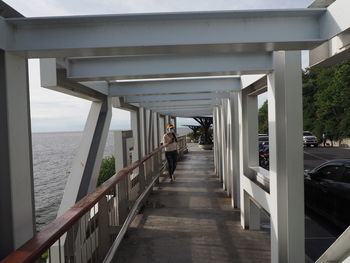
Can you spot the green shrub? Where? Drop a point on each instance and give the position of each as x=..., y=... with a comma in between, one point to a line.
x=107, y=170
x=193, y=135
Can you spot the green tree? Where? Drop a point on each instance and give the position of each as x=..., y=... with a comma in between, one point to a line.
x=107, y=170
x=204, y=129
x=263, y=118
x=326, y=98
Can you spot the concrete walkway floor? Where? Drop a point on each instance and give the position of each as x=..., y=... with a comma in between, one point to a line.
x=192, y=220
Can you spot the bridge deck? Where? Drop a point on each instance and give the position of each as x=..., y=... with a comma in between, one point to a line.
x=192, y=220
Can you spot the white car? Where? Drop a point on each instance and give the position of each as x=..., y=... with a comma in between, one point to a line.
x=309, y=139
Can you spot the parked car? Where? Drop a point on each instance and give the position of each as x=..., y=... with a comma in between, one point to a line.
x=309, y=139
x=327, y=191
x=264, y=158
x=263, y=139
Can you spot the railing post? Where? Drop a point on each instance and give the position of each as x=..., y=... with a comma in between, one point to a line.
x=142, y=179
x=123, y=199
x=104, y=241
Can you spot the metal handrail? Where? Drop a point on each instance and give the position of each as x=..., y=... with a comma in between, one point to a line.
x=35, y=247
x=111, y=253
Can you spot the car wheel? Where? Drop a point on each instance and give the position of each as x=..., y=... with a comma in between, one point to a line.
x=315, y=145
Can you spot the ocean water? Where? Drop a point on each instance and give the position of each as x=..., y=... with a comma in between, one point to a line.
x=53, y=154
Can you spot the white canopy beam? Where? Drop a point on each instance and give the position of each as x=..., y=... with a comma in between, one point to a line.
x=166, y=66
x=179, y=108
x=55, y=79
x=188, y=114
x=179, y=103
x=174, y=86
x=190, y=32
x=331, y=52
x=176, y=97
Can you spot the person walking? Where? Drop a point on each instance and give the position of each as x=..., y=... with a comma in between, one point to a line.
x=171, y=150
x=324, y=139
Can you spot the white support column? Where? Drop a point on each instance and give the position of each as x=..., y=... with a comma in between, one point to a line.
x=161, y=127
x=147, y=130
x=235, y=113
x=227, y=147
x=156, y=141
x=86, y=165
x=167, y=120
x=241, y=116
x=249, y=155
x=150, y=127
x=219, y=142
x=223, y=144
x=142, y=131
x=17, y=221
x=286, y=158
x=230, y=125
x=135, y=127
x=215, y=141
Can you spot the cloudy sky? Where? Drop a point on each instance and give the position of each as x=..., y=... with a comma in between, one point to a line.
x=53, y=111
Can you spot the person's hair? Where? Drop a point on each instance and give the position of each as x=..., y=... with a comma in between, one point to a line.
x=174, y=136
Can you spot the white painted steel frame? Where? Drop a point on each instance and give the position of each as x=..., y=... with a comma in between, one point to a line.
x=174, y=86
x=166, y=66
x=86, y=164
x=189, y=32
x=17, y=187
x=188, y=103
x=286, y=158
x=175, y=97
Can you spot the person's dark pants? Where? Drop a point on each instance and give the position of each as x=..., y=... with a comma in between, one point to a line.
x=171, y=158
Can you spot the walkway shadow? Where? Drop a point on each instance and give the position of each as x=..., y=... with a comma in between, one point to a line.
x=192, y=221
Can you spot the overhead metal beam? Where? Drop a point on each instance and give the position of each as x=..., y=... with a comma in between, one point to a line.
x=189, y=114
x=190, y=32
x=321, y=3
x=336, y=20
x=178, y=103
x=167, y=66
x=55, y=79
x=331, y=52
x=188, y=109
x=183, y=109
x=176, y=97
x=166, y=87
x=7, y=11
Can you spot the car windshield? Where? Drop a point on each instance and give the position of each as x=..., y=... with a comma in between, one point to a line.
x=308, y=134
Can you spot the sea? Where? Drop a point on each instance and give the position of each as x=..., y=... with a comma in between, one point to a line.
x=53, y=154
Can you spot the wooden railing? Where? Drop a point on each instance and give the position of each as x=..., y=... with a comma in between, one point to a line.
x=85, y=233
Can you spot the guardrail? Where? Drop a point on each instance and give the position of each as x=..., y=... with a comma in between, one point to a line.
x=91, y=229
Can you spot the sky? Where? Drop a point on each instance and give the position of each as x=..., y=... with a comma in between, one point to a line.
x=53, y=111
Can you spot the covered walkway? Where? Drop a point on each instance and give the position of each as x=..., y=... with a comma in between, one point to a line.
x=192, y=221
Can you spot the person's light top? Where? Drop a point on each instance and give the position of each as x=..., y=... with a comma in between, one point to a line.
x=168, y=138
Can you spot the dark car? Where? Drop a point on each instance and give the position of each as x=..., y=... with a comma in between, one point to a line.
x=327, y=191
x=263, y=139
x=264, y=159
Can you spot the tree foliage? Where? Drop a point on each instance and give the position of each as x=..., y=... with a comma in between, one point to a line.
x=107, y=170
x=205, y=131
x=326, y=97
x=326, y=102
x=263, y=120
